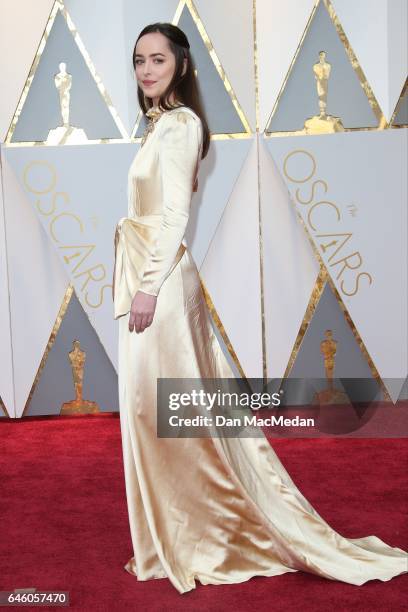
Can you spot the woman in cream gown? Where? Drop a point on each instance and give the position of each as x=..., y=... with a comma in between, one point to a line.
x=219, y=510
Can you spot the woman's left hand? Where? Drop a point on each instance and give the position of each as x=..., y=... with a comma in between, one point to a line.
x=142, y=311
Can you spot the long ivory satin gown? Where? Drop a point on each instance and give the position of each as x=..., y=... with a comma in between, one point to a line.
x=219, y=510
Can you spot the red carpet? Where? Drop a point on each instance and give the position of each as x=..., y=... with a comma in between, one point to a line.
x=64, y=519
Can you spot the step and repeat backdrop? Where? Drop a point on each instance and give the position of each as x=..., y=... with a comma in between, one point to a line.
x=299, y=224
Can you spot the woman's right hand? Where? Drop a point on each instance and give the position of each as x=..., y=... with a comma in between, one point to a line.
x=142, y=311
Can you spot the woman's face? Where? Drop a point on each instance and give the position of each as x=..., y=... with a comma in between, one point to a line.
x=155, y=65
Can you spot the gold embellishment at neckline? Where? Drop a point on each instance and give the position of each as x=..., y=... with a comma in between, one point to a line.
x=153, y=114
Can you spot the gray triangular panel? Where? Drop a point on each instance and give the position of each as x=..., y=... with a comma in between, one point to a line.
x=299, y=100
x=41, y=109
x=350, y=363
x=221, y=114
x=55, y=385
x=401, y=117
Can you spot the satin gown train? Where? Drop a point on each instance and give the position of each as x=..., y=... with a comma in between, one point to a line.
x=219, y=510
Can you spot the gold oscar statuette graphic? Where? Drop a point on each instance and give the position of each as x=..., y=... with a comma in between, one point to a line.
x=330, y=395
x=65, y=133
x=323, y=123
x=78, y=406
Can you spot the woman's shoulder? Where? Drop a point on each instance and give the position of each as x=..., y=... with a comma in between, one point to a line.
x=180, y=126
x=183, y=114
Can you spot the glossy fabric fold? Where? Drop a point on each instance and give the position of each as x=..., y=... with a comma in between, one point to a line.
x=134, y=240
x=217, y=510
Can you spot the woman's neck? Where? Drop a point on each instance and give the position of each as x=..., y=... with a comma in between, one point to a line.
x=172, y=100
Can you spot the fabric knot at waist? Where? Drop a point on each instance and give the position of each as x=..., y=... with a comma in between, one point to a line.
x=134, y=241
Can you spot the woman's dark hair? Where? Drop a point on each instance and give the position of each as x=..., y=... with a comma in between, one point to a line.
x=185, y=86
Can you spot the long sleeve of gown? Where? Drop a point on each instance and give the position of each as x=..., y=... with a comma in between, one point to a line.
x=179, y=155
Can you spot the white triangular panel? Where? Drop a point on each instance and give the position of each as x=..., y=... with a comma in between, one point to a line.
x=114, y=67
x=231, y=269
x=21, y=27
x=358, y=186
x=289, y=267
x=85, y=195
x=397, y=50
x=377, y=32
x=6, y=370
x=120, y=21
x=239, y=16
x=84, y=191
x=394, y=387
x=218, y=173
x=280, y=26
x=37, y=283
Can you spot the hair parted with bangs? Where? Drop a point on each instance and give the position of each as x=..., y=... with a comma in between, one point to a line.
x=185, y=87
